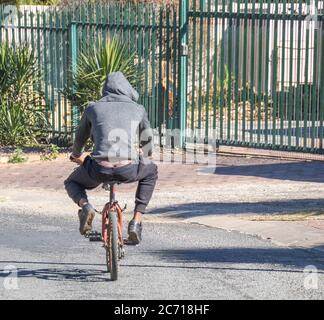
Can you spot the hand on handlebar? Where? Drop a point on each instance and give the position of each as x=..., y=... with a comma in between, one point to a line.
x=78, y=160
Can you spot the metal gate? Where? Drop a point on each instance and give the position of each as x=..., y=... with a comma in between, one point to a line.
x=256, y=73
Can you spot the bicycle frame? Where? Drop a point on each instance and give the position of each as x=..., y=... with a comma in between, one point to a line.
x=112, y=206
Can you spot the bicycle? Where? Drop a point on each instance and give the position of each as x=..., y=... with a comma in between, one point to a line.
x=111, y=227
x=112, y=231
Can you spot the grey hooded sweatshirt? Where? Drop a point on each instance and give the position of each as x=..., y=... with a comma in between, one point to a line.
x=115, y=123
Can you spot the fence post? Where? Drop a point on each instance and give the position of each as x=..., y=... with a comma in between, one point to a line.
x=321, y=89
x=183, y=67
x=74, y=57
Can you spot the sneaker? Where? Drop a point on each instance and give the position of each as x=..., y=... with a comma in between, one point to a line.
x=135, y=231
x=86, y=215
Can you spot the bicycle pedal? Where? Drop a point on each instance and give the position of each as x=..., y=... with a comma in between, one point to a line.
x=94, y=236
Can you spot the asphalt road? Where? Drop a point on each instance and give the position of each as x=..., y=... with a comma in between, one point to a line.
x=174, y=261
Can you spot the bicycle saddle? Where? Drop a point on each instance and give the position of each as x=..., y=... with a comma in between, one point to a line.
x=106, y=185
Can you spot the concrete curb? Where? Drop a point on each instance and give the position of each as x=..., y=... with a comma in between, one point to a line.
x=293, y=234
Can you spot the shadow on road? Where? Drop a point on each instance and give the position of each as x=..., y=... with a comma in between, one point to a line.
x=59, y=274
x=85, y=275
x=218, y=268
x=264, y=207
x=294, y=171
x=276, y=260
x=286, y=257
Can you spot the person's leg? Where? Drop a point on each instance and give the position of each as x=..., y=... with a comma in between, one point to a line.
x=75, y=185
x=145, y=172
x=137, y=216
x=147, y=177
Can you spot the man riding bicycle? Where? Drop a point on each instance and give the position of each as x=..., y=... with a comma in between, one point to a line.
x=113, y=123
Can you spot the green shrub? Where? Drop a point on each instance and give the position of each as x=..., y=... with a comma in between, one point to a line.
x=93, y=68
x=51, y=154
x=17, y=157
x=22, y=110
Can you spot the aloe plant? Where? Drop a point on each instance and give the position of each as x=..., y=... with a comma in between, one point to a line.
x=22, y=110
x=93, y=67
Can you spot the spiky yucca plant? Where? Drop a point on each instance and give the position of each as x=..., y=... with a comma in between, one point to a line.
x=93, y=67
x=22, y=111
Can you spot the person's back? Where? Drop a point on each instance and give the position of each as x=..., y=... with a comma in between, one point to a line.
x=114, y=124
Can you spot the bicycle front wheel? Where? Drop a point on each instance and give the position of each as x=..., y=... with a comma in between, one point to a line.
x=112, y=250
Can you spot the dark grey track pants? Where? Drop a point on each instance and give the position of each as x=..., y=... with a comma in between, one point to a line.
x=90, y=175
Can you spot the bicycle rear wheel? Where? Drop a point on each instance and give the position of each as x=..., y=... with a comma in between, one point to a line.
x=112, y=250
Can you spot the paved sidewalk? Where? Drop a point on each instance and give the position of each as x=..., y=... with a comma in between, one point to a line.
x=230, y=169
x=241, y=187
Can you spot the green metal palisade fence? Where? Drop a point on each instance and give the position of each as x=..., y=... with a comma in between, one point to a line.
x=59, y=35
x=256, y=73
x=242, y=72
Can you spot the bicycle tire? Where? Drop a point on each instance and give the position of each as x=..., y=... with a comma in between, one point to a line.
x=112, y=250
